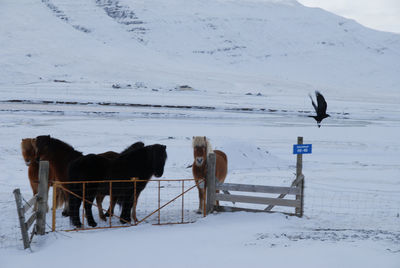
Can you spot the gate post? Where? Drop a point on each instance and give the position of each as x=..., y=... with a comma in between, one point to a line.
x=42, y=197
x=210, y=179
x=300, y=179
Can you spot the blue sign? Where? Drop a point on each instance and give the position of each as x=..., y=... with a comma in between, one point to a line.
x=302, y=148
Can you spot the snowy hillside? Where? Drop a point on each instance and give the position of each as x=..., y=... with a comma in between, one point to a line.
x=215, y=46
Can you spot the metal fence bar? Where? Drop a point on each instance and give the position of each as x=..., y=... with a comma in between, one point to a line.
x=54, y=207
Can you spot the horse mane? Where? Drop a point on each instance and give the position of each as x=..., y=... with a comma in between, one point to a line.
x=202, y=141
x=59, y=145
x=133, y=147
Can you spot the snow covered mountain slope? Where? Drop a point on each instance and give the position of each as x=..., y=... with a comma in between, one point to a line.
x=277, y=47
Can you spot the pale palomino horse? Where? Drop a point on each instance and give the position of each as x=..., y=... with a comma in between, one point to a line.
x=201, y=148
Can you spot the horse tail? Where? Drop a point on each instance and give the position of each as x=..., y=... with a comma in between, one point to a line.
x=60, y=200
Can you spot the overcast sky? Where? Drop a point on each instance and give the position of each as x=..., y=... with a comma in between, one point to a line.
x=377, y=14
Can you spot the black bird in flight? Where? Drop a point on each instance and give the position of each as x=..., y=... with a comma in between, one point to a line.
x=320, y=109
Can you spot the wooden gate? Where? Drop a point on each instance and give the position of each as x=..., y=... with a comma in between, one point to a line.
x=296, y=190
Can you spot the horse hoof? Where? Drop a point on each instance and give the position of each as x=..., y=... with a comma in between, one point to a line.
x=199, y=211
x=102, y=217
x=125, y=221
x=92, y=224
x=77, y=225
x=65, y=213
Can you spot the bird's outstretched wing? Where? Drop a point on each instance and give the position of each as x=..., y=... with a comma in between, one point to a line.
x=322, y=105
x=313, y=103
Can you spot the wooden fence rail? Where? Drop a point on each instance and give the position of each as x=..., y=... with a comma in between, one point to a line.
x=38, y=204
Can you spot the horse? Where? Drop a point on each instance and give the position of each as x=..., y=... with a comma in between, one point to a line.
x=100, y=196
x=28, y=153
x=60, y=155
x=141, y=163
x=201, y=148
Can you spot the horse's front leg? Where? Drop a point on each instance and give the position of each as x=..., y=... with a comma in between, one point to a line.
x=66, y=210
x=88, y=210
x=126, y=210
x=99, y=202
x=201, y=191
x=74, y=204
x=134, y=209
x=110, y=210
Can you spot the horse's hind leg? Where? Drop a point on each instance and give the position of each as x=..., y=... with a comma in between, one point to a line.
x=110, y=210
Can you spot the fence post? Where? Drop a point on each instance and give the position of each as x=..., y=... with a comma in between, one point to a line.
x=42, y=197
x=21, y=216
x=210, y=177
x=299, y=172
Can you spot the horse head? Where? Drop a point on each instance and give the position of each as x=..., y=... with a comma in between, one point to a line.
x=201, y=147
x=28, y=150
x=159, y=157
x=199, y=153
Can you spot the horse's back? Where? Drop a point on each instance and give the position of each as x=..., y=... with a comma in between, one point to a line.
x=109, y=155
x=221, y=165
x=88, y=167
x=221, y=154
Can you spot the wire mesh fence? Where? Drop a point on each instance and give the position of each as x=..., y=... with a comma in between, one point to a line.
x=352, y=209
x=325, y=208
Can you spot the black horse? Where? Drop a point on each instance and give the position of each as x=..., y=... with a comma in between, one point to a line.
x=141, y=163
x=100, y=196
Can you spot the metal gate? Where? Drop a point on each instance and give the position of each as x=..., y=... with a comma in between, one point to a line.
x=161, y=194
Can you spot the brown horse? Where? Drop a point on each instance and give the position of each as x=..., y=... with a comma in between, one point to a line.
x=201, y=148
x=28, y=153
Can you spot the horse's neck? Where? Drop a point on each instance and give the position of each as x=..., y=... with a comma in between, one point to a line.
x=128, y=166
x=201, y=171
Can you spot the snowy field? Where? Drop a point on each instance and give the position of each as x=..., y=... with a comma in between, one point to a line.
x=102, y=75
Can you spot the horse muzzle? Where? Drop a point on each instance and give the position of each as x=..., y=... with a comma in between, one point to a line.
x=199, y=161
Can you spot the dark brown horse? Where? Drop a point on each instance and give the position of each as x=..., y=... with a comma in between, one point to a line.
x=141, y=163
x=201, y=148
x=60, y=155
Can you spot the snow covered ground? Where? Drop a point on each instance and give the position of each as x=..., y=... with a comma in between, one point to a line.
x=101, y=75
